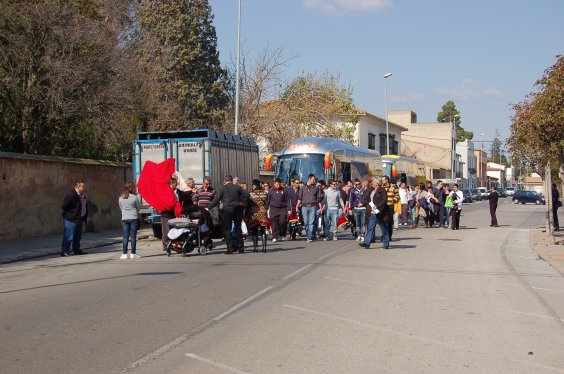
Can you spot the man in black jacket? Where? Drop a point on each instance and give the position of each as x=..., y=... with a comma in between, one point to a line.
x=493, y=206
x=377, y=207
x=75, y=213
x=234, y=201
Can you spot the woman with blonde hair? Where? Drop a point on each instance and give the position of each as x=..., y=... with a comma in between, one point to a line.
x=129, y=205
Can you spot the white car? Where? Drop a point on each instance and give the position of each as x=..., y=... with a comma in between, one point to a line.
x=484, y=192
x=509, y=191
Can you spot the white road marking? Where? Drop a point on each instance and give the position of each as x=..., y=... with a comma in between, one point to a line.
x=399, y=333
x=297, y=271
x=327, y=255
x=308, y=265
x=526, y=314
x=527, y=257
x=242, y=304
x=547, y=289
x=215, y=364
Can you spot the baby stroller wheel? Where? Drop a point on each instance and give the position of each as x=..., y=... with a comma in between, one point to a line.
x=203, y=250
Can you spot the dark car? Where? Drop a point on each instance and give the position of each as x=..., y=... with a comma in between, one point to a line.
x=467, y=196
x=501, y=192
x=524, y=197
x=476, y=194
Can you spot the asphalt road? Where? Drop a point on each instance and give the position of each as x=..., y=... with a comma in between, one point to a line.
x=473, y=300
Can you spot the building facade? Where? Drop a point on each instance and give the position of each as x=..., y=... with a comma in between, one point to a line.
x=468, y=164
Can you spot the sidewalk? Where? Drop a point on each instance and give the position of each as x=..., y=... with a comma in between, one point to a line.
x=552, y=251
x=25, y=249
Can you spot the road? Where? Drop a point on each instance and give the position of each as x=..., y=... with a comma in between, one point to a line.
x=473, y=300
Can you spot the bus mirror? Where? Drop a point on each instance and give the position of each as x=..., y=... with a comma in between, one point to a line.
x=268, y=161
x=394, y=171
x=327, y=161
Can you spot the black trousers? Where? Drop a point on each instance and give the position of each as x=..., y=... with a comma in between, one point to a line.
x=390, y=221
x=456, y=218
x=232, y=215
x=492, y=214
x=279, y=217
x=555, y=217
x=441, y=215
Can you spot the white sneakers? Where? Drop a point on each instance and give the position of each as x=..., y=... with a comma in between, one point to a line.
x=134, y=255
x=274, y=240
x=125, y=256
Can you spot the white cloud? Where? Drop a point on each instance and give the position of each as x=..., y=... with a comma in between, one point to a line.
x=334, y=6
x=491, y=92
x=468, y=91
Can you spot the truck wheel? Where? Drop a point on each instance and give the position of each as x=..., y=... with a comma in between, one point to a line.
x=157, y=230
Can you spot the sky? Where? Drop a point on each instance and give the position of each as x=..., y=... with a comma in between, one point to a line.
x=483, y=54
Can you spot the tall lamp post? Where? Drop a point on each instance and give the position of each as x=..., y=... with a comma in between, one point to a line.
x=387, y=75
x=237, y=69
x=454, y=138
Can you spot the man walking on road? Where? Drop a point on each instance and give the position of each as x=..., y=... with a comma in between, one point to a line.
x=377, y=207
x=393, y=197
x=234, y=201
x=493, y=206
x=309, y=198
x=555, y=205
x=75, y=213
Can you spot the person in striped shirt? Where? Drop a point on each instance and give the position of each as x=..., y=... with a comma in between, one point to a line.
x=392, y=192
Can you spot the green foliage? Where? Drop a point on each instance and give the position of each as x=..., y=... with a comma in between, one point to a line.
x=179, y=45
x=449, y=114
x=538, y=123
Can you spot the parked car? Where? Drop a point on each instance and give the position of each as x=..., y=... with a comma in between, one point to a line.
x=509, y=191
x=476, y=194
x=484, y=193
x=524, y=197
x=467, y=196
x=501, y=192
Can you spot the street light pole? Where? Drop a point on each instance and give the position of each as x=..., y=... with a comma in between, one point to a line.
x=454, y=138
x=387, y=75
x=237, y=69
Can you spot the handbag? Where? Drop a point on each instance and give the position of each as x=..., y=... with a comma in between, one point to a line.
x=449, y=203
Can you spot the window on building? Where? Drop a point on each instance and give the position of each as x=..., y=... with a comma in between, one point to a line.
x=371, y=141
x=383, y=149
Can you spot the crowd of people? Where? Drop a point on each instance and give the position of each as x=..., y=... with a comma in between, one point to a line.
x=317, y=210
x=312, y=209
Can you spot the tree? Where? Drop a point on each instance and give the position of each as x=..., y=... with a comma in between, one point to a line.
x=310, y=105
x=537, y=127
x=58, y=76
x=178, y=48
x=448, y=115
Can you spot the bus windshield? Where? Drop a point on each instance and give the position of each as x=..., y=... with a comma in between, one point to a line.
x=387, y=168
x=300, y=166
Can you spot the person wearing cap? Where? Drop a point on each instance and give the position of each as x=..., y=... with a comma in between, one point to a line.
x=377, y=206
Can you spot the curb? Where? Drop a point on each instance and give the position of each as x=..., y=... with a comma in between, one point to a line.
x=52, y=252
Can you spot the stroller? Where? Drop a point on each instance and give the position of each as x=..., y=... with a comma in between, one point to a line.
x=187, y=234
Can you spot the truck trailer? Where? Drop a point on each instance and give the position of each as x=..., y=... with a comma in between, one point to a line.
x=198, y=153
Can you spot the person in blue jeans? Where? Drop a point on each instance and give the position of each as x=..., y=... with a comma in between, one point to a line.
x=377, y=207
x=75, y=214
x=309, y=200
x=129, y=205
x=332, y=206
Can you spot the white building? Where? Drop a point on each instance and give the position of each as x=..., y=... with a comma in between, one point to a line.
x=371, y=133
x=468, y=164
x=496, y=172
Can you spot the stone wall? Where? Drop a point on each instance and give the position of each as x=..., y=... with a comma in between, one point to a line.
x=32, y=189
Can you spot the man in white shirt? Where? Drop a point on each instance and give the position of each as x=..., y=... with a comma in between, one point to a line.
x=457, y=198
